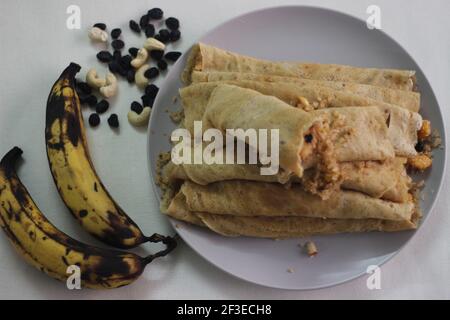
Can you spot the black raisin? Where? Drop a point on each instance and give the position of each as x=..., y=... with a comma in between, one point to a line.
x=84, y=87
x=151, y=90
x=100, y=25
x=102, y=106
x=134, y=26
x=151, y=73
x=121, y=70
x=308, y=138
x=133, y=51
x=165, y=35
x=117, y=44
x=172, y=23
x=175, y=35
x=94, y=120
x=130, y=75
x=157, y=54
x=115, y=33
x=104, y=56
x=172, y=55
x=136, y=107
x=149, y=30
x=420, y=146
x=117, y=55
x=158, y=37
x=113, y=121
x=162, y=65
x=113, y=67
x=155, y=13
x=91, y=100
x=143, y=22
x=125, y=61
x=147, y=101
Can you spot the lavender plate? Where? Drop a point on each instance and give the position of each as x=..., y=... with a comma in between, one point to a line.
x=307, y=34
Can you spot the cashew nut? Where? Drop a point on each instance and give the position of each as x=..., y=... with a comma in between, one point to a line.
x=93, y=80
x=153, y=44
x=140, y=59
x=110, y=89
x=139, y=78
x=98, y=35
x=139, y=120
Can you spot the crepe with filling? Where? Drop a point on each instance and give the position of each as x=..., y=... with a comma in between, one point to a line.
x=379, y=179
x=208, y=58
x=248, y=198
x=402, y=125
x=231, y=107
x=407, y=99
x=281, y=227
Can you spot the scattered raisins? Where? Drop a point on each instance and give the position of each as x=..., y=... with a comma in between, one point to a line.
x=143, y=22
x=162, y=65
x=130, y=75
x=113, y=121
x=134, y=26
x=133, y=51
x=104, y=56
x=155, y=13
x=149, y=30
x=157, y=54
x=117, y=44
x=147, y=101
x=115, y=33
x=151, y=73
x=172, y=55
x=102, y=106
x=117, y=55
x=136, y=107
x=100, y=25
x=164, y=34
x=172, y=23
x=151, y=90
x=174, y=35
x=94, y=120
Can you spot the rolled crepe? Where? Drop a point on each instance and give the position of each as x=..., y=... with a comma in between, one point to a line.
x=402, y=125
x=386, y=180
x=208, y=58
x=231, y=107
x=407, y=99
x=247, y=198
x=281, y=227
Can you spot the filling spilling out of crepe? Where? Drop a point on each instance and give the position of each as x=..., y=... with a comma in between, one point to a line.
x=349, y=139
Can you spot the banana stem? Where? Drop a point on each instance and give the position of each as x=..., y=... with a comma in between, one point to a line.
x=170, y=243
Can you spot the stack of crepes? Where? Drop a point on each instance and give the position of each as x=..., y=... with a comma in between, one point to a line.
x=345, y=133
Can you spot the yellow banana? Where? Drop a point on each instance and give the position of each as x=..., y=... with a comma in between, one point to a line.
x=50, y=250
x=74, y=174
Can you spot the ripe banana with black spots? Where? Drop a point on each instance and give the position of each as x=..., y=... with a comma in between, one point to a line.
x=50, y=250
x=74, y=174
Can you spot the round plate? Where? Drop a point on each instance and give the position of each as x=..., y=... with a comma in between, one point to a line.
x=300, y=34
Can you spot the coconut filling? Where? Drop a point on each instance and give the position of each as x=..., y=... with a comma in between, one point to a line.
x=317, y=154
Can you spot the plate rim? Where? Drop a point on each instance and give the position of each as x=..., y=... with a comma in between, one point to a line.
x=385, y=259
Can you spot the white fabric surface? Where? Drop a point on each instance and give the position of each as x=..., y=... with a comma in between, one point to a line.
x=36, y=46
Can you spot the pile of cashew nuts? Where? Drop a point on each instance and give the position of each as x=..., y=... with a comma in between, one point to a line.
x=108, y=86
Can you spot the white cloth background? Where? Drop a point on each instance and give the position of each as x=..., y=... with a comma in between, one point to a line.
x=36, y=46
